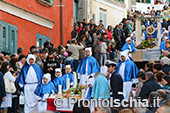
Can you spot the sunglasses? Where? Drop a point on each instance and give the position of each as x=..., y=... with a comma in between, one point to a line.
x=50, y=57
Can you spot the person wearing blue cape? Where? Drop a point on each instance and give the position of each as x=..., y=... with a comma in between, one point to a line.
x=128, y=46
x=129, y=72
x=101, y=87
x=43, y=91
x=88, y=66
x=162, y=46
x=59, y=80
x=68, y=75
x=30, y=76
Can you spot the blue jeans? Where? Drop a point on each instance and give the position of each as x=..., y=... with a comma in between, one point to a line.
x=103, y=57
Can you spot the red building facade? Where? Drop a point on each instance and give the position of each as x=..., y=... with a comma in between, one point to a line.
x=24, y=23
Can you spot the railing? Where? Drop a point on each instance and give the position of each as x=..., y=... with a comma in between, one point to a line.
x=47, y=3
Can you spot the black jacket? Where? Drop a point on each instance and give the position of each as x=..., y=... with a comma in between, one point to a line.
x=53, y=64
x=166, y=69
x=148, y=87
x=116, y=83
x=2, y=88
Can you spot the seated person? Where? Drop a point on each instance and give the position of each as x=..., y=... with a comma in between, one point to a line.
x=59, y=80
x=43, y=91
x=68, y=74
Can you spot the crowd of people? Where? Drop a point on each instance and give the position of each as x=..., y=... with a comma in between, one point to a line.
x=91, y=54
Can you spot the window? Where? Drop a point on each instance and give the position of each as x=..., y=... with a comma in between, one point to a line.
x=103, y=16
x=47, y=3
x=94, y=18
x=41, y=39
x=8, y=34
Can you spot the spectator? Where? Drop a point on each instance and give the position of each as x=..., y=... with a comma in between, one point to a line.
x=153, y=105
x=165, y=65
x=103, y=53
x=83, y=42
x=109, y=32
x=165, y=82
x=75, y=33
x=149, y=86
x=158, y=77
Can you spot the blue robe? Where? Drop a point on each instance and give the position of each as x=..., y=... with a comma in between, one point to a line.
x=126, y=47
x=42, y=89
x=93, y=66
x=70, y=76
x=131, y=70
x=162, y=46
x=23, y=74
x=59, y=81
x=100, y=88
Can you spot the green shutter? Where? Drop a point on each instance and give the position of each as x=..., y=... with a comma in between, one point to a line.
x=41, y=39
x=94, y=18
x=8, y=34
x=148, y=1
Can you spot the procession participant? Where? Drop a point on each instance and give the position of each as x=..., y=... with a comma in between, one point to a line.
x=59, y=80
x=29, y=78
x=87, y=66
x=43, y=91
x=128, y=46
x=116, y=81
x=128, y=70
x=162, y=46
x=101, y=87
x=68, y=75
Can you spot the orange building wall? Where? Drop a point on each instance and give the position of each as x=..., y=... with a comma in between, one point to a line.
x=27, y=30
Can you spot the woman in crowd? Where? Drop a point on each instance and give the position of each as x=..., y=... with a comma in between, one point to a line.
x=7, y=104
x=166, y=82
x=109, y=32
x=82, y=51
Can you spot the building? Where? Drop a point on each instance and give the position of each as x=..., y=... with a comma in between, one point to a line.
x=32, y=22
x=142, y=5
x=110, y=11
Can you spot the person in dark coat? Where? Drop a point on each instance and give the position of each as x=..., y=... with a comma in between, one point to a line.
x=51, y=65
x=149, y=86
x=165, y=24
x=2, y=87
x=116, y=81
x=75, y=33
x=165, y=65
x=126, y=28
x=117, y=37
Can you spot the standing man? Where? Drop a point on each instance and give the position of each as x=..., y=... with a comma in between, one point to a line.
x=126, y=28
x=87, y=67
x=116, y=81
x=2, y=87
x=51, y=65
x=128, y=71
x=30, y=76
x=74, y=48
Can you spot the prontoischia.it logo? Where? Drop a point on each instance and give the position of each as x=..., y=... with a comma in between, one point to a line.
x=60, y=102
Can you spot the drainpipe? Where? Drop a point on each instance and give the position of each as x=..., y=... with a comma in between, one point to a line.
x=61, y=21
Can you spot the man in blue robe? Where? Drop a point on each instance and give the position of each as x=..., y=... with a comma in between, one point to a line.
x=101, y=87
x=59, y=80
x=128, y=46
x=129, y=71
x=30, y=76
x=43, y=91
x=88, y=66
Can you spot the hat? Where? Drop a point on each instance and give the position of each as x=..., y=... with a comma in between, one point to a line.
x=110, y=63
x=68, y=66
x=65, y=54
x=165, y=31
x=127, y=39
x=58, y=70
x=36, y=51
x=165, y=37
x=5, y=53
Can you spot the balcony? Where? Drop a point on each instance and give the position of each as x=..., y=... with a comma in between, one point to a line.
x=47, y=3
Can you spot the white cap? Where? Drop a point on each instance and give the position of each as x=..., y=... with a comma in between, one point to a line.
x=165, y=37
x=58, y=70
x=127, y=39
x=165, y=31
x=68, y=66
x=47, y=76
x=89, y=49
x=110, y=62
x=104, y=70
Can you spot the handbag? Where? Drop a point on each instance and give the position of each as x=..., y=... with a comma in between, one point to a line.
x=9, y=86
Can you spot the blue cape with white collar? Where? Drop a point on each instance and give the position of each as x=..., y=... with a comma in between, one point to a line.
x=93, y=66
x=59, y=81
x=162, y=46
x=131, y=70
x=23, y=74
x=126, y=47
x=43, y=89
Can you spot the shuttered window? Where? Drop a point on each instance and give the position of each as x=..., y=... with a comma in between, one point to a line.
x=41, y=39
